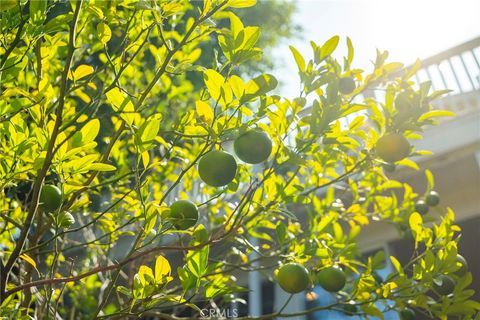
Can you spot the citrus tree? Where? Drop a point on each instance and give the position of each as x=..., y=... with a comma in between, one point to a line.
x=128, y=191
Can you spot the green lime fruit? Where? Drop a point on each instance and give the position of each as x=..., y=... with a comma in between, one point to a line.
x=421, y=207
x=350, y=308
x=407, y=314
x=183, y=214
x=217, y=168
x=392, y=147
x=463, y=266
x=389, y=167
x=432, y=198
x=332, y=279
x=346, y=85
x=50, y=198
x=293, y=277
x=443, y=285
x=253, y=147
x=65, y=220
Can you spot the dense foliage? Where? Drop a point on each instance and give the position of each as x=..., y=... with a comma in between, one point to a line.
x=101, y=133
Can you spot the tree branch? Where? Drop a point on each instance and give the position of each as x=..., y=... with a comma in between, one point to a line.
x=48, y=158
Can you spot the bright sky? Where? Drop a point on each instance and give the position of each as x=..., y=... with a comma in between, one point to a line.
x=406, y=28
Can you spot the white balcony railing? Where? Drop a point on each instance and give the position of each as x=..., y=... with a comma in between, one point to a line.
x=457, y=69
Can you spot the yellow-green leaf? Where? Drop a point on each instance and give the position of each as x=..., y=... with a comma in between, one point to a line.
x=101, y=167
x=298, y=59
x=241, y=3
x=90, y=131
x=29, y=260
x=80, y=72
x=121, y=103
x=204, y=110
x=397, y=265
x=408, y=163
x=436, y=114
x=162, y=269
x=146, y=275
x=103, y=32
x=213, y=81
x=416, y=224
x=237, y=85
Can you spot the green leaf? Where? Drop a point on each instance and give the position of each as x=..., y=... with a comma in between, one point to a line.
x=298, y=59
x=214, y=81
x=121, y=103
x=146, y=275
x=281, y=232
x=237, y=85
x=438, y=93
x=101, y=167
x=436, y=114
x=197, y=261
x=37, y=11
x=80, y=72
x=204, y=111
x=236, y=26
x=147, y=133
x=397, y=265
x=58, y=23
x=162, y=269
x=430, y=179
x=241, y=3
x=415, y=222
x=378, y=261
x=96, y=11
x=411, y=71
x=259, y=86
x=103, y=32
x=409, y=163
x=328, y=47
x=28, y=259
x=351, y=51
x=87, y=134
x=187, y=279
x=200, y=235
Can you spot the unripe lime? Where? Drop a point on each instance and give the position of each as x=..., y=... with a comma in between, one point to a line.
x=432, y=198
x=392, y=147
x=421, y=207
x=407, y=314
x=183, y=214
x=346, y=85
x=217, y=168
x=443, y=285
x=50, y=198
x=65, y=220
x=253, y=146
x=293, y=277
x=463, y=266
x=332, y=279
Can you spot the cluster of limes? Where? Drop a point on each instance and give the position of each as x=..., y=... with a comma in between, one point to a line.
x=218, y=168
x=432, y=199
x=294, y=278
